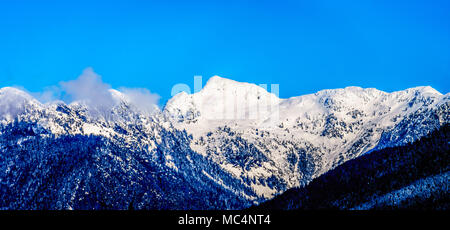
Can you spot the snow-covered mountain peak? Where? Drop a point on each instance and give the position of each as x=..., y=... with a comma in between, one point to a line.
x=220, y=85
x=14, y=102
x=350, y=94
x=14, y=92
x=217, y=81
x=427, y=89
x=424, y=91
x=222, y=99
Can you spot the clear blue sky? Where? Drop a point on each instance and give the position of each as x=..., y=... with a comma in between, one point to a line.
x=304, y=46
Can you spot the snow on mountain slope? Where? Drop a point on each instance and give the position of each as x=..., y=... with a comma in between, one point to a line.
x=421, y=188
x=412, y=176
x=273, y=144
x=238, y=136
x=223, y=99
x=14, y=102
x=122, y=148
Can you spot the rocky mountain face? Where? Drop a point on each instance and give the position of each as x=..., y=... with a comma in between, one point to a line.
x=59, y=156
x=229, y=146
x=273, y=144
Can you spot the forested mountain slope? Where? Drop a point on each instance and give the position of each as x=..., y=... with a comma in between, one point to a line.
x=414, y=176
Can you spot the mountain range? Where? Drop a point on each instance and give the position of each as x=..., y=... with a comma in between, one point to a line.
x=229, y=146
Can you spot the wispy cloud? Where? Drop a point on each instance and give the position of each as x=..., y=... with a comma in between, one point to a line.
x=89, y=89
x=142, y=98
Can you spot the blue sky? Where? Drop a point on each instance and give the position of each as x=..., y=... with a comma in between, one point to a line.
x=304, y=46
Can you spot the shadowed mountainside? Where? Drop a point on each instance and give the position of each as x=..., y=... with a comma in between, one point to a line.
x=414, y=176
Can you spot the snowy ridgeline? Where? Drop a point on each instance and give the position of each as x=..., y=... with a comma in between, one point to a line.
x=284, y=143
x=231, y=138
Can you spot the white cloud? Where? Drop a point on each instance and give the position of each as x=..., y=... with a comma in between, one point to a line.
x=88, y=88
x=50, y=93
x=142, y=98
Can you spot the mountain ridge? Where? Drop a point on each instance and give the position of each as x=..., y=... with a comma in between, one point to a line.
x=254, y=159
x=340, y=124
x=117, y=93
